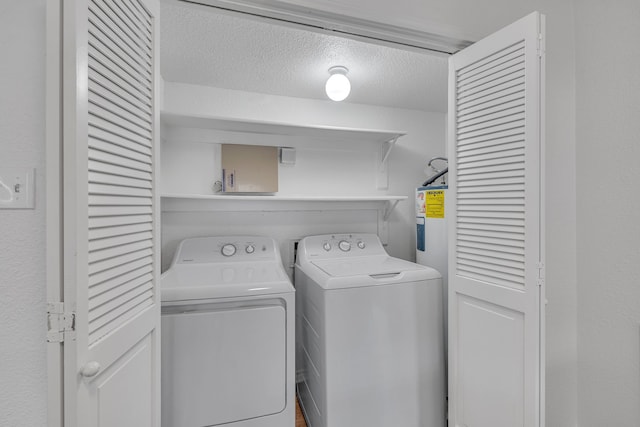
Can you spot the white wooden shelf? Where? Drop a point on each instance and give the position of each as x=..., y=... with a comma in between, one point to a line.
x=277, y=128
x=276, y=198
x=270, y=203
x=223, y=202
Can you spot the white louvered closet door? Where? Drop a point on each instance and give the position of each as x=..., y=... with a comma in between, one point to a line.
x=110, y=211
x=496, y=289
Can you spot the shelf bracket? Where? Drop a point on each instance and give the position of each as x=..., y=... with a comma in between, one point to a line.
x=383, y=220
x=382, y=177
x=387, y=147
x=390, y=206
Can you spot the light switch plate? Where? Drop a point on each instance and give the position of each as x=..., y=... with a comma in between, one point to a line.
x=17, y=188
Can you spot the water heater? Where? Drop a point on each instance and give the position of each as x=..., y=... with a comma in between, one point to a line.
x=431, y=232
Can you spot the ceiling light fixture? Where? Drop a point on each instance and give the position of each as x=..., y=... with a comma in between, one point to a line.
x=338, y=85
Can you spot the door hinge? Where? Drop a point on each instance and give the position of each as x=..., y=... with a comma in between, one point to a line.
x=61, y=325
x=540, y=266
x=541, y=45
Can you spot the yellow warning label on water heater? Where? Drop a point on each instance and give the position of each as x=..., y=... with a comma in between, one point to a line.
x=434, y=203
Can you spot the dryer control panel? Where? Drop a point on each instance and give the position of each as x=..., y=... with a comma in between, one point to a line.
x=341, y=245
x=226, y=249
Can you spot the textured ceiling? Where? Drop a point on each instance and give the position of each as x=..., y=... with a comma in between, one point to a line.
x=201, y=45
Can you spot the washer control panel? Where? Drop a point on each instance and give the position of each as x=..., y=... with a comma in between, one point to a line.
x=226, y=249
x=341, y=245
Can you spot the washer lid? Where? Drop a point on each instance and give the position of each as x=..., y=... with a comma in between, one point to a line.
x=223, y=280
x=365, y=266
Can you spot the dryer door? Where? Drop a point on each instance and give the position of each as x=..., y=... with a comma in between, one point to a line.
x=222, y=363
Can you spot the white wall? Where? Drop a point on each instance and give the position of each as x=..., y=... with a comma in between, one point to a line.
x=471, y=19
x=323, y=167
x=608, y=157
x=23, y=397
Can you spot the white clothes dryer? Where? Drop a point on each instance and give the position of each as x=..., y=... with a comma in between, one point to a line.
x=370, y=344
x=227, y=335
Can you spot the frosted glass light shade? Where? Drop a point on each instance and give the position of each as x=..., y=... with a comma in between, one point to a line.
x=338, y=85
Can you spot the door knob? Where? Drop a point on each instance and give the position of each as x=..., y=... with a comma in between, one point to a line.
x=91, y=369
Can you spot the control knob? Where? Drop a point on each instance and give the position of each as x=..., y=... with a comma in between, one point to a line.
x=361, y=244
x=250, y=249
x=228, y=249
x=326, y=246
x=344, y=246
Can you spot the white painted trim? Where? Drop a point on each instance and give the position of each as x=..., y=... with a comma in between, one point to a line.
x=158, y=90
x=53, y=205
x=346, y=26
x=543, y=288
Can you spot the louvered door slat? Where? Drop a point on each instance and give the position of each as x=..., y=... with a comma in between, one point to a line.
x=105, y=178
x=505, y=104
x=100, y=123
x=111, y=221
x=491, y=153
x=495, y=242
x=492, y=129
x=110, y=103
x=489, y=62
x=490, y=248
x=101, y=300
x=122, y=312
x=107, y=55
x=119, y=150
x=140, y=44
x=496, y=257
x=118, y=171
x=515, y=228
x=97, y=200
x=140, y=145
x=491, y=123
x=116, y=23
x=491, y=275
x=496, y=88
x=505, y=110
x=491, y=234
x=142, y=16
x=511, y=63
x=484, y=220
x=136, y=247
x=116, y=298
x=490, y=100
x=107, y=272
x=101, y=30
x=97, y=110
x=497, y=188
x=509, y=174
x=138, y=28
x=509, y=161
x=134, y=20
x=120, y=162
x=119, y=190
x=492, y=146
x=104, y=232
x=128, y=123
x=107, y=83
x=118, y=241
x=110, y=211
x=120, y=280
x=496, y=83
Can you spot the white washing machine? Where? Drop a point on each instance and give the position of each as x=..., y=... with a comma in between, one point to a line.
x=227, y=335
x=370, y=344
